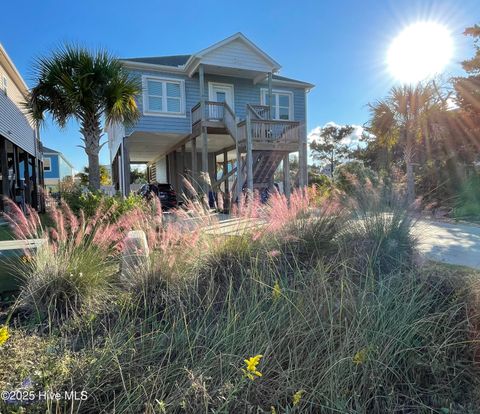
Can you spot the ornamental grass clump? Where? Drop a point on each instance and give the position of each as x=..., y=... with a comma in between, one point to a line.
x=75, y=264
x=377, y=233
x=186, y=331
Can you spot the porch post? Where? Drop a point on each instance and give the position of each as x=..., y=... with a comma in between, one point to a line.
x=175, y=171
x=270, y=96
x=239, y=186
x=194, y=162
x=249, y=155
x=4, y=167
x=41, y=180
x=35, y=183
x=286, y=175
x=182, y=167
x=302, y=158
x=205, y=157
x=201, y=79
x=26, y=175
x=126, y=168
x=225, y=170
x=16, y=168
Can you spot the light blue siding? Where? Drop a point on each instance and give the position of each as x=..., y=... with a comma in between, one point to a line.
x=245, y=92
x=167, y=124
x=65, y=169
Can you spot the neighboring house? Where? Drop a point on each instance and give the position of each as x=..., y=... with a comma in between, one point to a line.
x=56, y=168
x=20, y=147
x=203, y=112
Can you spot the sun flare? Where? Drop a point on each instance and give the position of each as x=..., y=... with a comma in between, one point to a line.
x=420, y=52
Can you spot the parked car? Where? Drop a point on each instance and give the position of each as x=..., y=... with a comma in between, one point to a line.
x=165, y=192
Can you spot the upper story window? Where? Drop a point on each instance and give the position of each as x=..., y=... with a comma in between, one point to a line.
x=282, y=103
x=163, y=96
x=47, y=164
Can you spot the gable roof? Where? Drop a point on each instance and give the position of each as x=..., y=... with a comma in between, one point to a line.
x=47, y=150
x=189, y=63
x=241, y=37
x=50, y=151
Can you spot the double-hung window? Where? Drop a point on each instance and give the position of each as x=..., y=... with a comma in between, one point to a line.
x=282, y=104
x=164, y=96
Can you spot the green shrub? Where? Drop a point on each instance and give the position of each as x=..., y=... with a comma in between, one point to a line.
x=467, y=206
x=91, y=201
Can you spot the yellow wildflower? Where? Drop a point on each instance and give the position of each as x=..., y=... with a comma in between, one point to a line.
x=251, y=365
x=360, y=357
x=297, y=397
x=4, y=335
x=276, y=291
x=273, y=410
x=161, y=406
x=26, y=259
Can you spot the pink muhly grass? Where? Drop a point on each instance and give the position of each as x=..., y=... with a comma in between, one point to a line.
x=273, y=253
x=23, y=227
x=188, y=186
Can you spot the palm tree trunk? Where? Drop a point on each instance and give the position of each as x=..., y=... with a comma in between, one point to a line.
x=93, y=171
x=92, y=132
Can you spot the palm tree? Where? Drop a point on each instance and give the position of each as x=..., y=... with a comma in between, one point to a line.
x=404, y=117
x=91, y=87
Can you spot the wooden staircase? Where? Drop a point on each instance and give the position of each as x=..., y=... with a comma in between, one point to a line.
x=265, y=163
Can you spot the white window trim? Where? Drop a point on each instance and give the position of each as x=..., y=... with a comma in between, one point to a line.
x=211, y=86
x=50, y=167
x=263, y=99
x=146, y=111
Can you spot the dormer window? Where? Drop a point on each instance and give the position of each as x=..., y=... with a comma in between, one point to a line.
x=163, y=96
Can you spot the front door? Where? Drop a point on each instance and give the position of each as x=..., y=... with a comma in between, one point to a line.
x=220, y=92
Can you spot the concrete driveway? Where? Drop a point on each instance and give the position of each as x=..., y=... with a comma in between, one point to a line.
x=457, y=244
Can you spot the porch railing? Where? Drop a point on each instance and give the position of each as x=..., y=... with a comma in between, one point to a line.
x=212, y=111
x=260, y=111
x=270, y=131
x=215, y=112
x=262, y=129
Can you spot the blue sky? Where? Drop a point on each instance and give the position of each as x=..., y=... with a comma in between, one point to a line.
x=340, y=46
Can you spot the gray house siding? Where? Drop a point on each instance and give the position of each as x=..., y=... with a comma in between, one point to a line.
x=14, y=125
x=245, y=92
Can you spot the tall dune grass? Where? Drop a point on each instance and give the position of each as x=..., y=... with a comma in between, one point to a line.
x=302, y=289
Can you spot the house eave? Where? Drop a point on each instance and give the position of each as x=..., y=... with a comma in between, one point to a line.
x=152, y=66
x=13, y=72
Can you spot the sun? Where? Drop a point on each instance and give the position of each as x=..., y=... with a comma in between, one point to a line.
x=420, y=52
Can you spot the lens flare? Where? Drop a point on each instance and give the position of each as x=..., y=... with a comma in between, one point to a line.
x=420, y=52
